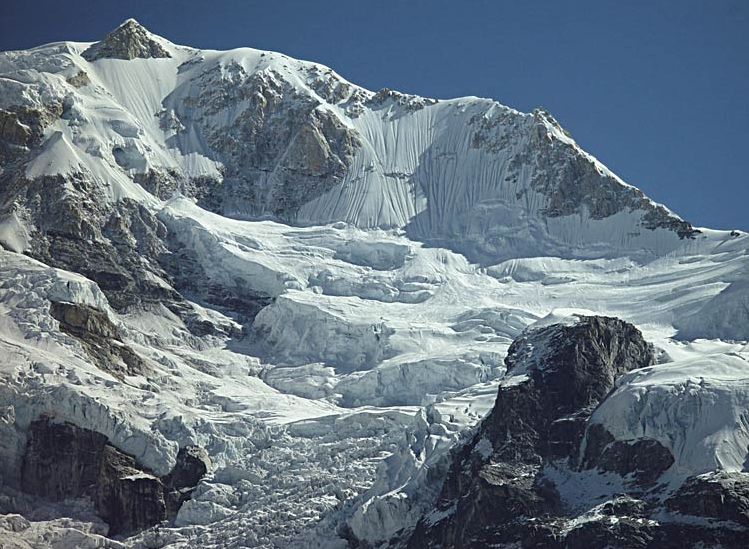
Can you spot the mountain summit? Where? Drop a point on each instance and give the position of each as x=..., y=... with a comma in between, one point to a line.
x=252, y=134
x=128, y=41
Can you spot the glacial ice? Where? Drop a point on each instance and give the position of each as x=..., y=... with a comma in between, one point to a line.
x=392, y=301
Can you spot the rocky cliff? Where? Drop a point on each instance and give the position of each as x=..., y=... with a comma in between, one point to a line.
x=63, y=461
x=505, y=487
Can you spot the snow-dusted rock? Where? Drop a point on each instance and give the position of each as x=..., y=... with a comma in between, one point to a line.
x=528, y=463
x=128, y=41
x=555, y=374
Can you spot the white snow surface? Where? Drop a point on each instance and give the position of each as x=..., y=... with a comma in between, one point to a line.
x=696, y=407
x=383, y=344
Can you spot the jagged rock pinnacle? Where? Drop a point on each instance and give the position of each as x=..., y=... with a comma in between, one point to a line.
x=128, y=41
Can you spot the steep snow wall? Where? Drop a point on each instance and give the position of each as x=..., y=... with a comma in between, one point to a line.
x=697, y=408
x=252, y=134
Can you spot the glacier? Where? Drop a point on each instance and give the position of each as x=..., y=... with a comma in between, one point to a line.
x=321, y=283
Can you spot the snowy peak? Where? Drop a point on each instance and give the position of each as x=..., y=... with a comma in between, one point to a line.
x=255, y=134
x=244, y=252
x=128, y=41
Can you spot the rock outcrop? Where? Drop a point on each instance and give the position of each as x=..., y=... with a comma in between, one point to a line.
x=578, y=185
x=99, y=337
x=128, y=41
x=65, y=461
x=280, y=151
x=122, y=247
x=556, y=375
x=191, y=465
x=644, y=459
x=719, y=495
x=500, y=490
x=117, y=246
x=61, y=460
x=128, y=498
x=14, y=136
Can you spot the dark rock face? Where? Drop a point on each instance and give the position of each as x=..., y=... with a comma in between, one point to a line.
x=499, y=492
x=64, y=461
x=621, y=532
x=15, y=136
x=99, y=337
x=192, y=464
x=61, y=460
x=718, y=495
x=128, y=498
x=556, y=375
x=645, y=459
x=634, y=532
x=80, y=319
x=21, y=128
x=128, y=41
x=161, y=183
x=570, y=369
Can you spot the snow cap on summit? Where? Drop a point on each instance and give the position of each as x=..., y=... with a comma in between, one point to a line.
x=130, y=25
x=130, y=21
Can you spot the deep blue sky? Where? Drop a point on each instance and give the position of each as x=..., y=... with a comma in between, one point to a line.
x=657, y=90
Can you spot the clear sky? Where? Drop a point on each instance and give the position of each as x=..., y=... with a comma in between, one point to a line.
x=656, y=89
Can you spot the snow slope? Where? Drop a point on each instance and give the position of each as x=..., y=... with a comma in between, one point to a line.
x=470, y=173
x=422, y=238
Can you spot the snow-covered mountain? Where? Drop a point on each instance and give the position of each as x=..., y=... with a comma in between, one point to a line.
x=318, y=285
